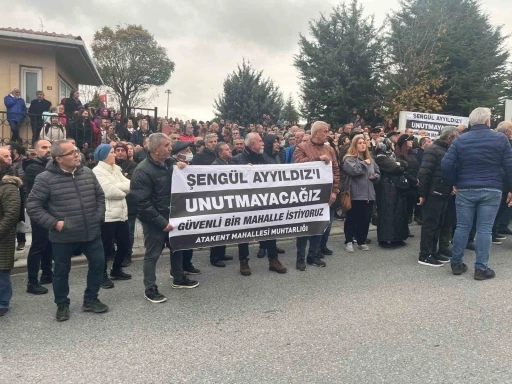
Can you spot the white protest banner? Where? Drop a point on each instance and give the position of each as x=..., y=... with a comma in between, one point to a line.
x=430, y=122
x=231, y=204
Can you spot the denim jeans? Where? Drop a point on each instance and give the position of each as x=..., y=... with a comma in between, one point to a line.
x=39, y=254
x=15, y=129
x=5, y=288
x=62, y=253
x=327, y=232
x=484, y=202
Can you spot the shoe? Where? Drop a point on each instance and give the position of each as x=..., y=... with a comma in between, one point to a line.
x=218, y=264
x=441, y=258
x=280, y=251
x=107, y=283
x=470, y=245
x=459, y=269
x=186, y=283
x=62, y=313
x=226, y=258
x=317, y=262
x=398, y=243
x=95, y=306
x=409, y=234
x=301, y=265
x=20, y=247
x=499, y=237
x=481, y=274
x=154, y=296
x=36, y=289
x=326, y=251
x=119, y=275
x=191, y=270
x=445, y=252
x=245, y=270
x=496, y=241
x=363, y=247
x=126, y=263
x=46, y=280
x=276, y=266
x=368, y=241
x=409, y=220
x=3, y=311
x=262, y=252
x=505, y=231
x=349, y=247
x=385, y=244
x=430, y=261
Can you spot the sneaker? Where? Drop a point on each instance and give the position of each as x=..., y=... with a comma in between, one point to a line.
x=499, y=237
x=505, y=231
x=276, y=266
x=459, y=269
x=317, y=262
x=154, y=296
x=185, y=283
x=445, y=252
x=349, y=247
x=36, y=289
x=46, y=280
x=191, y=270
x=119, y=275
x=107, y=283
x=280, y=251
x=496, y=241
x=367, y=241
x=3, y=311
x=95, y=306
x=226, y=258
x=481, y=274
x=20, y=247
x=430, y=261
x=62, y=313
x=441, y=258
x=385, y=244
x=363, y=247
x=262, y=252
x=326, y=251
x=245, y=270
x=301, y=265
x=126, y=263
x=218, y=264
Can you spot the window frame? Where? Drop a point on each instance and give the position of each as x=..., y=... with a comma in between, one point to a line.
x=66, y=94
x=23, y=80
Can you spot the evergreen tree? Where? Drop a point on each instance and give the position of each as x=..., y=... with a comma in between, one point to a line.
x=95, y=101
x=339, y=66
x=289, y=112
x=247, y=96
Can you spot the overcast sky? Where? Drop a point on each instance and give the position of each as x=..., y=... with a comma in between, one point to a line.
x=207, y=38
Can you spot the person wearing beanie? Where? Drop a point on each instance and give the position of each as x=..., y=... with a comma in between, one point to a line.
x=53, y=130
x=116, y=187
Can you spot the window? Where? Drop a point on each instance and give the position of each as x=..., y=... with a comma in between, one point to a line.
x=64, y=89
x=31, y=82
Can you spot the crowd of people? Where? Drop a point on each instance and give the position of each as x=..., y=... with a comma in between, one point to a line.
x=91, y=174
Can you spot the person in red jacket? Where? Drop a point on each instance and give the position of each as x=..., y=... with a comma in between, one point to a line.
x=188, y=136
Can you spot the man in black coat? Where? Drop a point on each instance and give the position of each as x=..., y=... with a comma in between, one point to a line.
x=37, y=107
x=433, y=196
x=253, y=154
x=40, y=252
x=151, y=189
x=207, y=155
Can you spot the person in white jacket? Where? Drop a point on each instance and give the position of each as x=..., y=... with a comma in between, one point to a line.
x=53, y=130
x=115, y=186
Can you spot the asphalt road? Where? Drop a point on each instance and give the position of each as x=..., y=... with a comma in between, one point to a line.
x=369, y=317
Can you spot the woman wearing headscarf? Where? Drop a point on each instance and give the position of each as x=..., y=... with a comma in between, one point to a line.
x=392, y=228
x=115, y=187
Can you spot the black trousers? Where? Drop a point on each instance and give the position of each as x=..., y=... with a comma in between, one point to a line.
x=357, y=221
x=119, y=231
x=434, y=210
x=187, y=257
x=39, y=254
x=269, y=245
x=217, y=253
x=501, y=209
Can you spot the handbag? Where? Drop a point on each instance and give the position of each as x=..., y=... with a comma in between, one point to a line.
x=345, y=198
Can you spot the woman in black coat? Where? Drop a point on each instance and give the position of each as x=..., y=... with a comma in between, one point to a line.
x=72, y=104
x=392, y=228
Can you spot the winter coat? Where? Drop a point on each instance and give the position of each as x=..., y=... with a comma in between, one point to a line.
x=140, y=155
x=82, y=131
x=151, y=189
x=138, y=137
x=32, y=168
x=123, y=132
x=71, y=105
x=268, y=152
x=219, y=161
x=17, y=167
x=128, y=167
x=10, y=203
x=52, y=132
x=207, y=157
x=478, y=159
x=429, y=174
x=16, y=108
x=37, y=107
x=392, y=222
x=248, y=157
x=359, y=172
x=76, y=198
x=115, y=187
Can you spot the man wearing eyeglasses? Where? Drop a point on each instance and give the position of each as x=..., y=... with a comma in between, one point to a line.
x=16, y=112
x=68, y=201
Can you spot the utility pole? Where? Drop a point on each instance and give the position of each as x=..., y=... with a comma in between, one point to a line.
x=168, y=91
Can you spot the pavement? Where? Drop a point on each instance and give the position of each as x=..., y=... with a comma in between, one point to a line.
x=369, y=317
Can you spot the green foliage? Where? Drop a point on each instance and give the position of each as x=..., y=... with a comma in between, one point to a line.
x=289, y=112
x=340, y=66
x=95, y=101
x=247, y=96
x=130, y=62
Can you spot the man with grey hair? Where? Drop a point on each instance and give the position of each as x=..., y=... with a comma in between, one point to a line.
x=434, y=194
x=475, y=164
x=16, y=112
x=68, y=201
x=207, y=155
x=151, y=190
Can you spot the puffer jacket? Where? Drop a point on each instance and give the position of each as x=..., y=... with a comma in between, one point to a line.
x=478, y=159
x=207, y=157
x=430, y=171
x=361, y=187
x=10, y=203
x=115, y=187
x=76, y=198
x=151, y=189
x=16, y=108
x=32, y=168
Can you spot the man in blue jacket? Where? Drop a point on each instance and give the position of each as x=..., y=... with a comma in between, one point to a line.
x=475, y=164
x=16, y=111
